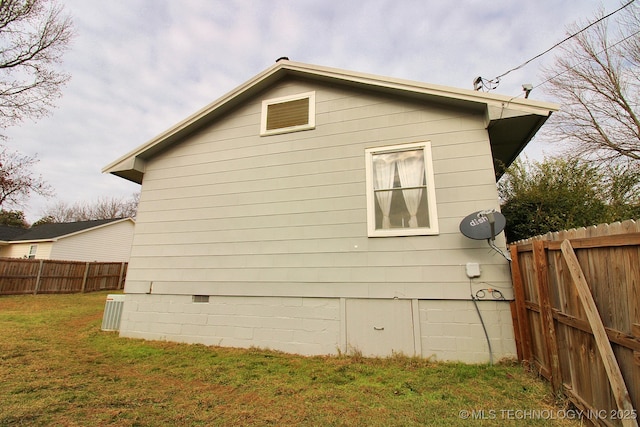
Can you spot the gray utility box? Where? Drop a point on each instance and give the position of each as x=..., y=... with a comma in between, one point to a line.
x=112, y=313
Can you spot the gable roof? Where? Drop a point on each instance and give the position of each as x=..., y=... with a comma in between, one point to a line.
x=55, y=231
x=511, y=121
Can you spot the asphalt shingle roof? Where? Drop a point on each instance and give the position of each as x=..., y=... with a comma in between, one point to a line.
x=50, y=231
x=8, y=232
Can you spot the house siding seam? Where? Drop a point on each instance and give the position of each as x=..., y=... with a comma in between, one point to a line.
x=114, y=244
x=452, y=330
x=242, y=195
x=232, y=214
x=296, y=325
x=21, y=250
x=448, y=330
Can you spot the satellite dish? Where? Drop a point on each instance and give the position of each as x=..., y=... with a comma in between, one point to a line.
x=483, y=225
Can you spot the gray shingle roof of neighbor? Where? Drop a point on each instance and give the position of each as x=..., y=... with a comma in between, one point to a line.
x=53, y=230
x=8, y=232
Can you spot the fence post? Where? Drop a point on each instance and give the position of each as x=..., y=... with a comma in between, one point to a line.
x=546, y=313
x=37, y=287
x=84, y=278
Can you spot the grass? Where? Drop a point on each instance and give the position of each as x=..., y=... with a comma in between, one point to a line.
x=58, y=368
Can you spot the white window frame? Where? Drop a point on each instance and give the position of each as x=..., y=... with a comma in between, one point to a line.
x=33, y=250
x=431, y=192
x=311, y=122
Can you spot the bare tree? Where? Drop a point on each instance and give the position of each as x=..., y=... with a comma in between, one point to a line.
x=597, y=82
x=33, y=36
x=107, y=208
x=17, y=180
x=103, y=208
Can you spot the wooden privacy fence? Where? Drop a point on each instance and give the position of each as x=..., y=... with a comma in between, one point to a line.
x=577, y=316
x=38, y=276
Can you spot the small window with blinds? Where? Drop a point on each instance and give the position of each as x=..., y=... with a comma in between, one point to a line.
x=288, y=114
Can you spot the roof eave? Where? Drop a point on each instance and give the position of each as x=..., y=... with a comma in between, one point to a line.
x=110, y=223
x=131, y=165
x=509, y=136
x=497, y=108
x=48, y=240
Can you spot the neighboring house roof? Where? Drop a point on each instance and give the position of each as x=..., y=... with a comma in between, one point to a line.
x=55, y=231
x=8, y=232
x=511, y=121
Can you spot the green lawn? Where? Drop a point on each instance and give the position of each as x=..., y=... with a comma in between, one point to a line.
x=58, y=368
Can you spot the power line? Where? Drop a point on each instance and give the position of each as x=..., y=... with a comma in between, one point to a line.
x=581, y=62
x=493, y=83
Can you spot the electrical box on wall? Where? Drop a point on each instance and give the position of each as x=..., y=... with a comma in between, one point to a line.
x=473, y=270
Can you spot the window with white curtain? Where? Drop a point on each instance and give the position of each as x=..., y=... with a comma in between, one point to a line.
x=400, y=191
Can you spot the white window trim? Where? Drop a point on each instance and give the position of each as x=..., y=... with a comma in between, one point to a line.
x=311, y=124
x=33, y=250
x=431, y=193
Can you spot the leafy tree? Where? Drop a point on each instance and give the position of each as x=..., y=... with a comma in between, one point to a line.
x=597, y=83
x=17, y=180
x=622, y=187
x=13, y=218
x=34, y=35
x=562, y=193
x=43, y=220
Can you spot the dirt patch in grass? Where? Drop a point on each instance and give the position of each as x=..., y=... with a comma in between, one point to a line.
x=58, y=368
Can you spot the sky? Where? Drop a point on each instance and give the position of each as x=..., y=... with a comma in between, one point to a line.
x=140, y=66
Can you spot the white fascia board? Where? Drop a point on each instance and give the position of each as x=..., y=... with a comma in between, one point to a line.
x=495, y=101
x=490, y=99
x=127, y=162
x=55, y=239
x=129, y=158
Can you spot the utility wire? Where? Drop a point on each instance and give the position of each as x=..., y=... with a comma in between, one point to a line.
x=497, y=79
x=587, y=59
x=579, y=63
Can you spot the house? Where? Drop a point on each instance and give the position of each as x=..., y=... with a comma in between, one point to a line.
x=314, y=210
x=106, y=240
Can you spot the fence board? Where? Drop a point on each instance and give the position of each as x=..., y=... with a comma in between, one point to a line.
x=32, y=276
x=548, y=327
x=521, y=324
x=19, y=277
x=614, y=374
x=609, y=258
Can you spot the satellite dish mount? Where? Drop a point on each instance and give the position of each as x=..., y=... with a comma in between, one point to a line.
x=485, y=225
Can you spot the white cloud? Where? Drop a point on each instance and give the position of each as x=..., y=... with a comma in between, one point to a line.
x=140, y=66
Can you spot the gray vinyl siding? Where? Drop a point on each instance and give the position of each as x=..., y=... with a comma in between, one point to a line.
x=231, y=213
